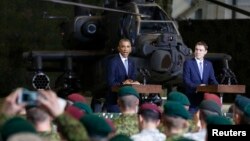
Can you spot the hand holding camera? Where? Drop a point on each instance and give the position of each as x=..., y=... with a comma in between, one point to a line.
x=27, y=97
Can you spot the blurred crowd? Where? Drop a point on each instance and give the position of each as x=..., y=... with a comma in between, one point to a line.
x=52, y=118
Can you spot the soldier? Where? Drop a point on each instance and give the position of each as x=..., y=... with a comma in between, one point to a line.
x=240, y=104
x=16, y=125
x=183, y=100
x=128, y=101
x=247, y=114
x=70, y=128
x=43, y=123
x=179, y=97
x=97, y=127
x=206, y=108
x=175, y=120
x=149, y=116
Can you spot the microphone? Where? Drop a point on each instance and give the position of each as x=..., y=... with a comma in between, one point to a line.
x=225, y=71
x=140, y=70
x=147, y=72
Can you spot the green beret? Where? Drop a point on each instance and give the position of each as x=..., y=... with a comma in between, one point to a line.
x=172, y=108
x=247, y=111
x=178, y=97
x=210, y=106
x=241, y=102
x=121, y=137
x=83, y=107
x=128, y=90
x=95, y=125
x=218, y=120
x=16, y=125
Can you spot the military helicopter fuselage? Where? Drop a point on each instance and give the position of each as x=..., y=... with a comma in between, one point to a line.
x=157, y=43
x=157, y=46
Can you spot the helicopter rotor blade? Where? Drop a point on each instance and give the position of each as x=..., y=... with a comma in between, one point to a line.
x=93, y=7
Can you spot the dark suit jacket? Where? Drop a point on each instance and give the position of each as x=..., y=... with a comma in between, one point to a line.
x=191, y=75
x=116, y=74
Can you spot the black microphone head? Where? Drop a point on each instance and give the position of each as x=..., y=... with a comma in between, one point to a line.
x=141, y=71
x=147, y=72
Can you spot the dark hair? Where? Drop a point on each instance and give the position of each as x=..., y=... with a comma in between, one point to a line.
x=149, y=115
x=202, y=43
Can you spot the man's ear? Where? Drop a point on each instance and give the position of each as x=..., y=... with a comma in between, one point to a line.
x=118, y=102
x=140, y=118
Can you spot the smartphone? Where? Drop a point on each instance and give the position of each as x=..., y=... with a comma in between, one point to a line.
x=28, y=97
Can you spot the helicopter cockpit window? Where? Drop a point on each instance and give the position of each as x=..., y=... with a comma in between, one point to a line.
x=157, y=27
x=152, y=13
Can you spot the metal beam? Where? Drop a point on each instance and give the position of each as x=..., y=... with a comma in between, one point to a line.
x=233, y=8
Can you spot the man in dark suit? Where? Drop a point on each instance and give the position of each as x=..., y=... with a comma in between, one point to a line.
x=197, y=72
x=121, y=70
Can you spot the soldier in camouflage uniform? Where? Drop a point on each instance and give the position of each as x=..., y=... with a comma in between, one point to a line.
x=128, y=101
x=69, y=128
x=43, y=123
x=97, y=127
x=149, y=119
x=206, y=108
x=183, y=100
x=240, y=104
x=175, y=120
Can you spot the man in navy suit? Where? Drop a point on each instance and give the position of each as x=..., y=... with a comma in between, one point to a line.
x=197, y=72
x=121, y=70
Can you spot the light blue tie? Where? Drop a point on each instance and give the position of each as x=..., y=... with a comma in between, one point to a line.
x=126, y=65
x=201, y=69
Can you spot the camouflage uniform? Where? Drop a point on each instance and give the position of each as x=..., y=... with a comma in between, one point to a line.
x=71, y=129
x=127, y=124
x=111, y=116
x=50, y=136
x=174, y=137
x=3, y=118
x=192, y=126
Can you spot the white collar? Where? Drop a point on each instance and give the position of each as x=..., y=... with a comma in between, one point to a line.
x=197, y=60
x=123, y=58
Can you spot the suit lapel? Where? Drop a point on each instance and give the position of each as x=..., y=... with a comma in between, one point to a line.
x=205, y=69
x=122, y=65
x=195, y=66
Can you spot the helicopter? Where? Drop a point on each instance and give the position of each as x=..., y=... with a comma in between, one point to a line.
x=90, y=40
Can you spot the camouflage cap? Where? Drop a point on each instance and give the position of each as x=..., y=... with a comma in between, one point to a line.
x=150, y=106
x=83, y=107
x=128, y=90
x=172, y=108
x=178, y=97
x=214, y=97
x=241, y=102
x=218, y=120
x=16, y=125
x=121, y=137
x=95, y=125
x=210, y=106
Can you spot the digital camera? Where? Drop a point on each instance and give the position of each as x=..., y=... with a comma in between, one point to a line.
x=28, y=97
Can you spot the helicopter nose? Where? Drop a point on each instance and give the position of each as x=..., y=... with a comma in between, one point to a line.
x=166, y=61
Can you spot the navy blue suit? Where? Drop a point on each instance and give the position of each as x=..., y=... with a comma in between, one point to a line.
x=192, y=79
x=116, y=74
